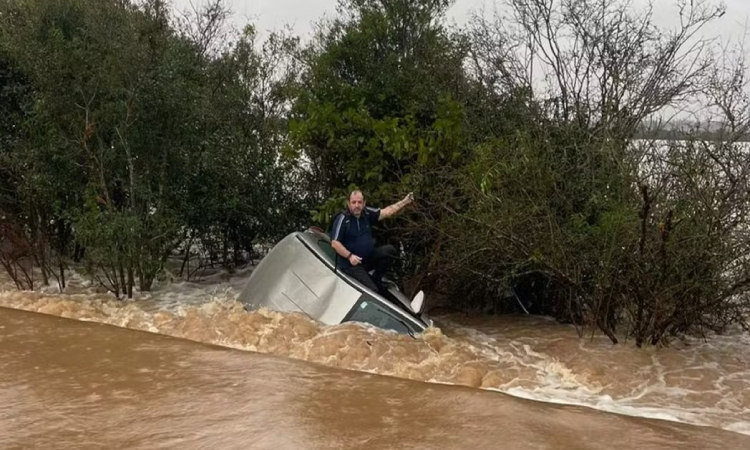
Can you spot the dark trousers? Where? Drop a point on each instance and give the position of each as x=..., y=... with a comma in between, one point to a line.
x=381, y=261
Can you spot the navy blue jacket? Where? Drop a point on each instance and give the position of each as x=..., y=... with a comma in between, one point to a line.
x=355, y=233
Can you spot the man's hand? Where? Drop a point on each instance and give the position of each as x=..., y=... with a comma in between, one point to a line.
x=355, y=260
x=397, y=207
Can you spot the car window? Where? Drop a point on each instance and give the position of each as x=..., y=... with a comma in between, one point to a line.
x=374, y=314
x=327, y=250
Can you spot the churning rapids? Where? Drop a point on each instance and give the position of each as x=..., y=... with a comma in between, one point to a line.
x=69, y=384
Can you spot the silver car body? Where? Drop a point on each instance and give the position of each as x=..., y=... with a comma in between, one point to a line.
x=299, y=275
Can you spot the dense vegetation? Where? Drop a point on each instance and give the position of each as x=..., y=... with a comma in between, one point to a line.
x=129, y=134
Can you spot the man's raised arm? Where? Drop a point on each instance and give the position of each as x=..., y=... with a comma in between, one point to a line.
x=396, y=207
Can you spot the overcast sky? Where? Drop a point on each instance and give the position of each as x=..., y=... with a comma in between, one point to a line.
x=274, y=14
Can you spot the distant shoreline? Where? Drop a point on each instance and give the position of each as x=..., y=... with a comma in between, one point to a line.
x=673, y=135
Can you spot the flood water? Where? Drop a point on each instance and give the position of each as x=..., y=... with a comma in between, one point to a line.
x=269, y=380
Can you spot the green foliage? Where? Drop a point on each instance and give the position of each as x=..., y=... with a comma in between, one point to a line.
x=132, y=136
x=380, y=98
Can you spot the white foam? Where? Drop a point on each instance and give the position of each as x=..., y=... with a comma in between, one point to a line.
x=650, y=396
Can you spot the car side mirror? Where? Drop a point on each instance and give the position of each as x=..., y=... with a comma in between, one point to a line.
x=417, y=304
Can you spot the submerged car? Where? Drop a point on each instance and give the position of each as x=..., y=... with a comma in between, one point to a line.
x=299, y=275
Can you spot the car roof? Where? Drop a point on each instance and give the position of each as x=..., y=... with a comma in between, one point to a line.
x=311, y=238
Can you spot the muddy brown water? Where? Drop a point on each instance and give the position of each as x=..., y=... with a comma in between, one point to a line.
x=66, y=384
x=268, y=380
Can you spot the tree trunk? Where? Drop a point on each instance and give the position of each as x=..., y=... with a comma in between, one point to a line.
x=61, y=264
x=42, y=266
x=236, y=254
x=131, y=281
x=186, y=260
x=121, y=273
x=146, y=281
x=225, y=251
x=113, y=280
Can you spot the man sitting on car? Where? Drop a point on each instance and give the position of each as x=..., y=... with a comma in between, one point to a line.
x=351, y=237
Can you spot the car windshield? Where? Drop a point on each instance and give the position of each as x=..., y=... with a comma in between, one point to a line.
x=327, y=250
x=370, y=312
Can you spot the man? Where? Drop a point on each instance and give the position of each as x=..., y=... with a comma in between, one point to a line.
x=352, y=240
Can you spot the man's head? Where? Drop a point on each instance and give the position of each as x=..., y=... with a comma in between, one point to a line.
x=356, y=202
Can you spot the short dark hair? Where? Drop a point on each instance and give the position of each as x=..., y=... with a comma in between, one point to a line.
x=356, y=191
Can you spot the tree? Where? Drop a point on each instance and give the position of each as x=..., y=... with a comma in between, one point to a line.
x=379, y=97
x=557, y=213
x=140, y=133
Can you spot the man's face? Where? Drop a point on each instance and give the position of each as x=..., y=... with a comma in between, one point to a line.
x=356, y=204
